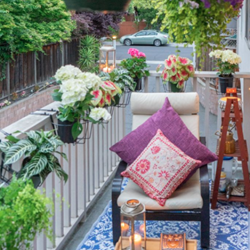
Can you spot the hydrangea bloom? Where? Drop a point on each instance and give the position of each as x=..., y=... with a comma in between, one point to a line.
x=91, y=80
x=99, y=113
x=67, y=72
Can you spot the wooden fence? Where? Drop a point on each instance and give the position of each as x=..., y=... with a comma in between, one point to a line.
x=30, y=69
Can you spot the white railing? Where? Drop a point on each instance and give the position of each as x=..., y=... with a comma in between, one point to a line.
x=90, y=167
x=204, y=90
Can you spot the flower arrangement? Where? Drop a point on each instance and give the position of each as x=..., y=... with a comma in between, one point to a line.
x=80, y=93
x=4, y=104
x=177, y=70
x=226, y=61
x=136, y=65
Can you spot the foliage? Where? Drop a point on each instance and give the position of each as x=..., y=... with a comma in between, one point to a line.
x=80, y=93
x=177, y=70
x=24, y=212
x=28, y=26
x=226, y=61
x=39, y=147
x=89, y=54
x=96, y=23
x=120, y=77
x=136, y=65
x=197, y=22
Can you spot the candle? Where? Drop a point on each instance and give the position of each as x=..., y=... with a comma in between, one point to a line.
x=106, y=69
x=137, y=242
x=124, y=228
x=142, y=228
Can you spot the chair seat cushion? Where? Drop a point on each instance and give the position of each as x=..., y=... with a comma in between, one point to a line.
x=186, y=196
x=160, y=168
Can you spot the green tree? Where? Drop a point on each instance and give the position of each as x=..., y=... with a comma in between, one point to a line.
x=30, y=24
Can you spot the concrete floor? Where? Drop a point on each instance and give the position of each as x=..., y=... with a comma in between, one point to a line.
x=84, y=228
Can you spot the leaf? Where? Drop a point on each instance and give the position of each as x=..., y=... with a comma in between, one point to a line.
x=46, y=148
x=33, y=135
x=16, y=151
x=62, y=154
x=76, y=129
x=12, y=138
x=35, y=166
x=5, y=145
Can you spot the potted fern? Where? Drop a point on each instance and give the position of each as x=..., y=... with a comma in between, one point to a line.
x=38, y=149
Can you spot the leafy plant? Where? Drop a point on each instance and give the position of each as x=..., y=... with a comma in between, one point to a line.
x=201, y=22
x=24, y=212
x=38, y=148
x=96, y=23
x=120, y=77
x=136, y=65
x=89, y=54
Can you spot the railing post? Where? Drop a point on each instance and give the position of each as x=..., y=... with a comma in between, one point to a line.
x=157, y=84
x=245, y=91
x=8, y=79
x=145, y=84
x=195, y=84
x=207, y=97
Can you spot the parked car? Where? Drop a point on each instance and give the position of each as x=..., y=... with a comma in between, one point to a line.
x=150, y=37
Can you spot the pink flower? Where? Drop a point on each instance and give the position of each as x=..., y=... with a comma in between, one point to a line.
x=140, y=54
x=155, y=150
x=2, y=104
x=143, y=166
x=133, y=52
x=164, y=174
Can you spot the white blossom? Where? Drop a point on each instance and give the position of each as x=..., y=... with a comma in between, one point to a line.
x=67, y=72
x=99, y=113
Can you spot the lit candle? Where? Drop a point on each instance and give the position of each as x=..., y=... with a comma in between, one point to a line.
x=137, y=242
x=124, y=228
x=106, y=69
x=142, y=228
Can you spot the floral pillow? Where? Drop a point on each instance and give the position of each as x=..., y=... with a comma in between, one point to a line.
x=160, y=168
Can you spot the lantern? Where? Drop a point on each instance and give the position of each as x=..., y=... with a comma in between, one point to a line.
x=107, y=59
x=133, y=226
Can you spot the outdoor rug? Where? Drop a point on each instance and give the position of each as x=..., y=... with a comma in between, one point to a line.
x=228, y=229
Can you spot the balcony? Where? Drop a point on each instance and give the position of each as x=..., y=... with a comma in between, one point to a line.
x=91, y=166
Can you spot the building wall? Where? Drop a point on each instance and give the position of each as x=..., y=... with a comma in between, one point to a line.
x=242, y=48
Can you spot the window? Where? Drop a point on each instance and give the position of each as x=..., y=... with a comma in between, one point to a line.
x=151, y=33
x=248, y=22
x=142, y=33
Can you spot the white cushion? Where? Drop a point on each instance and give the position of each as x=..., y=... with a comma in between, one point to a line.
x=149, y=103
x=187, y=196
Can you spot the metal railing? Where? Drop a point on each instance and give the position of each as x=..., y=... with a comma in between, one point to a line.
x=90, y=167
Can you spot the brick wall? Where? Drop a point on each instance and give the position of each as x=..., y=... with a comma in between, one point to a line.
x=129, y=28
x=18, y=110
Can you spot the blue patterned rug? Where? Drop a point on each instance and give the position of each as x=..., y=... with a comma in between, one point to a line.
x=228, y=229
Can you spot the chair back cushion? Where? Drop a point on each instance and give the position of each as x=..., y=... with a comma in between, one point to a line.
x=173, y=127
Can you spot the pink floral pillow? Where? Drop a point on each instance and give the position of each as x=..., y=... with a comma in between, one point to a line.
x=160, y=168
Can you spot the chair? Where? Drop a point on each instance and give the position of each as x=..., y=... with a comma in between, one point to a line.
x=192, y=197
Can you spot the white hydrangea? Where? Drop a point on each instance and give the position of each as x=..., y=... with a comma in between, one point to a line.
x=67, y=72
x=99, y=113
x=91, y=80
x=226, y=56
x=73, y=90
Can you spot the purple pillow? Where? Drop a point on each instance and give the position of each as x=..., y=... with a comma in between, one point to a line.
x=169, y=122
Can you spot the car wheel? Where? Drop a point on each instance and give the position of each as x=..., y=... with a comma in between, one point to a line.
x=157, y=43
x=127, y=42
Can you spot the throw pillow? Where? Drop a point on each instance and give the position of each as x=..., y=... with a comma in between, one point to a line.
x=160, y=168
x=170, y=123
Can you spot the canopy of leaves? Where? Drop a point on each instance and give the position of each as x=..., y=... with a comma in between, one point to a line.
x=30, y=24
x=24, y=211
x=96, y=23
x=199, y=24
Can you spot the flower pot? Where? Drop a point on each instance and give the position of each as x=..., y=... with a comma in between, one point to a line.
x=225, y=82
x=174, y=88
x=138, y=83
x=64, y=131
